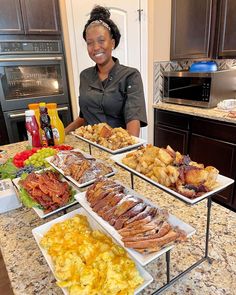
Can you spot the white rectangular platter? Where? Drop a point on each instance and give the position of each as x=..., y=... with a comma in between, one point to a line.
x=39, y=232
x=222, y=180
x=39, y=211
x=79, y=185
x=139, y=142
x=142, y=259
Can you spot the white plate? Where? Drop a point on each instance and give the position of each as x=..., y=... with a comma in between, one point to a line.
x=139, y=142
x=79, y=185
x=39, y=232
x=40, y=212
x=142, y=259
x=222, y=180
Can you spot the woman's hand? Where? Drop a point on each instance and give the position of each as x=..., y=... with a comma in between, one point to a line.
x=74, y=125
x=133, y=127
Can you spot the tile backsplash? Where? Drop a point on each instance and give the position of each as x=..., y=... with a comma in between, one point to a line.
x=160, y=67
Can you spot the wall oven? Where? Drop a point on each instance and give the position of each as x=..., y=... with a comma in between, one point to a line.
x=31, y=72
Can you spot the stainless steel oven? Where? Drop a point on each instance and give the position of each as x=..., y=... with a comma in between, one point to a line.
x=31, y=72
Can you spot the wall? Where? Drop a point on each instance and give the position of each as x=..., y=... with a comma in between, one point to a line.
x=69, y=59
x=161, y=30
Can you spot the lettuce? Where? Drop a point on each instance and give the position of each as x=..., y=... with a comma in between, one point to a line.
x=27, y=200
x=8, y=170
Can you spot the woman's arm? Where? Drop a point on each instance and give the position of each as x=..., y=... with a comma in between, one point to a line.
x=133, y=127
x=75, y=124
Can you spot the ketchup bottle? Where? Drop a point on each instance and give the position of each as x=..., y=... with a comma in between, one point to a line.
x=32, y=129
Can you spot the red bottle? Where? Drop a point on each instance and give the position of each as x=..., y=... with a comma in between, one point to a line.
x=32, y=129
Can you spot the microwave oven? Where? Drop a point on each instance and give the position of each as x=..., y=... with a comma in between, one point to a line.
x=199, y=89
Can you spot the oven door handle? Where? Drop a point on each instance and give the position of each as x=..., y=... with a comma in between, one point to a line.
x=30, y=58
x=63, y=109
x=23, y=114
x=16, y=115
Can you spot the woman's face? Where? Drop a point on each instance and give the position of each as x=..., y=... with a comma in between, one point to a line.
x=99, y=44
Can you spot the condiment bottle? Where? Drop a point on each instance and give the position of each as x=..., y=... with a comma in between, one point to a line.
x=32, y=128
x=47, y=135
x=56, y=123
x=35, y=107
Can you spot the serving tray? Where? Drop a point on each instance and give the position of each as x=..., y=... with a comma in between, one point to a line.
x=39, y=211
x=79, y=185
x=139, y=142
x=222, y=180
x=142, y=259
x=39, y=232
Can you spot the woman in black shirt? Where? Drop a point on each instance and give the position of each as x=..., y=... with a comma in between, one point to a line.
x=109, y=92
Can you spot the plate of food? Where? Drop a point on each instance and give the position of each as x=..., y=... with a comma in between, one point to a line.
x=111, y=140
x=89, y=250
x=135, y=223
x=46, y=191
x=80, y=168
x=173, y=172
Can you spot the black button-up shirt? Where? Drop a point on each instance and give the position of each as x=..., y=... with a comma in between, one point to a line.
x=116, y=101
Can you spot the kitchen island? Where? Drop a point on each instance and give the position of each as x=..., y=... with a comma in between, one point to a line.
x=29, y=273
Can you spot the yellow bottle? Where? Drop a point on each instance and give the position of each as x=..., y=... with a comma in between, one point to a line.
x=56, y=123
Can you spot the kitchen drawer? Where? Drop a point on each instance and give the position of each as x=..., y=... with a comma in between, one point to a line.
x=214, y=129
x=172, y=119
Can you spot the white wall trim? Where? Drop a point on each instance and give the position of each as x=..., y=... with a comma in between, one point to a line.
x=143, y=5
x=74, y=55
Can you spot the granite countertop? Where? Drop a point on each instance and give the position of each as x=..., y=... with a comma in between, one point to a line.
x=212, y=113
x=30, y=274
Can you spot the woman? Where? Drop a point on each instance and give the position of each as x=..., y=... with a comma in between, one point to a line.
x=109, y=92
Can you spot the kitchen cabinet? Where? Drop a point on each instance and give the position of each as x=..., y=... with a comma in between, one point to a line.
x=173, y=129
x=227, y=32
x=206, y=141
x=29, y=17
x=203, y=29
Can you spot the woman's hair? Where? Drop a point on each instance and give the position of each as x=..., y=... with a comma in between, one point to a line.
x=101, y=15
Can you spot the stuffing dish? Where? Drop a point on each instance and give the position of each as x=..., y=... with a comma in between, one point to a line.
x=106, y=136
x=173, y=170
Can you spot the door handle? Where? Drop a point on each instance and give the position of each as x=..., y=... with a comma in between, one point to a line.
x=19, y=115
x=30, y=58
x=63, y=109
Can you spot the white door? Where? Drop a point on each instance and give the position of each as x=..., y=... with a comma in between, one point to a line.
x=125, y=13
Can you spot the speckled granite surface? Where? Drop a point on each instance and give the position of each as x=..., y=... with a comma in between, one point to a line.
x=213, y=113
x=30, y=274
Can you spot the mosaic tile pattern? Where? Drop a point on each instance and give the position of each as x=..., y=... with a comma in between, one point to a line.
x=160, y=67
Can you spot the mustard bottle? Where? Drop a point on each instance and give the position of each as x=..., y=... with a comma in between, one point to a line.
x=56, y=123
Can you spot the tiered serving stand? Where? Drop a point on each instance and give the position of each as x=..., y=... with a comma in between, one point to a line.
x=224, y=182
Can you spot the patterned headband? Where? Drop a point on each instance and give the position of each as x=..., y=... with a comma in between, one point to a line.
x=99, y=22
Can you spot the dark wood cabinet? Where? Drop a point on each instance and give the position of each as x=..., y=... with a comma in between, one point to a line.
x=176, y=138
x=171, y=129
x=207, y=141
x=215, y=153
x=191, y=28
x=29, y=17
x=10, y=17
x=227, y=29
x=203, y=29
